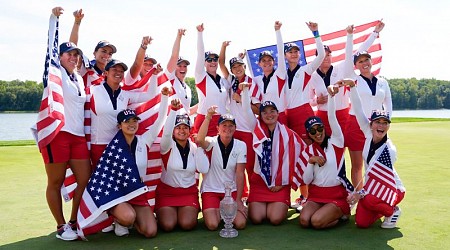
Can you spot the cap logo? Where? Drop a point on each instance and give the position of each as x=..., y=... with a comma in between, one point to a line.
x=129, y=112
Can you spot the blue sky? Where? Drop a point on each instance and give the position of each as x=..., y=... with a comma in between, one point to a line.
x=416, y=32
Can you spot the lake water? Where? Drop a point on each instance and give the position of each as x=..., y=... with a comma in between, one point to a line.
x=17, y=126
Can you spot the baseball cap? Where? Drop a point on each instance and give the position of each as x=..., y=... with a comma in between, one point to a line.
x=289, y=46
x=181, y=59
x=311, y=121
x=69, y=46
x=104, y=43
x=378, y=114
x=182, y=119
x=267, y=104
x=150, y=58
x=235, y=60
x=115, y=62
x=327, y=49
x=227, y=117
x=211, y=54
x=126, y=114
x=359, y=54
x=265, y=53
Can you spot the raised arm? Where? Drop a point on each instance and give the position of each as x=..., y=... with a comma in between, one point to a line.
x=200, y=65
x=337, y=137
x=222, y=56
x=135, y=69
x=202, y=140
x=357, y=105
x=349, y=71
x=314, y=65
x=281, y=69
x=151, y=134
x=78, y=15
x=369, y=41
x=166, y=140
x=172, y=64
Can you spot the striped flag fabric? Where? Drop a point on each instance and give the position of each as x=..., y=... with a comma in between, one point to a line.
x=380, y=180
x=115, y=180
x=51, y=112
x=287, y=148
x=335, y=40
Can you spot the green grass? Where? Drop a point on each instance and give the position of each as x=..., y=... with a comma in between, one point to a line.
x=423, y=165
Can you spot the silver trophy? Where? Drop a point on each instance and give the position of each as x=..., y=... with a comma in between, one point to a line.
x=228, y=210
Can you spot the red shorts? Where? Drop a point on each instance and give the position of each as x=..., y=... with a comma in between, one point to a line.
x=296, y=118
x=64, y=147
x=354, y=138
x=167, y=196
x=259, y=192
x=96, y=153
x=212, y=128
x=212, y=200
x=336, y=195
x=341, y=115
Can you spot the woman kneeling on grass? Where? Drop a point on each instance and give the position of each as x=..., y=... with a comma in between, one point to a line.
x=177, y=200
x=116, y=186
x=327, y=196
x=383, y=190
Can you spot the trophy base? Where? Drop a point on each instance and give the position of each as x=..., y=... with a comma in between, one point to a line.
x=228, y=233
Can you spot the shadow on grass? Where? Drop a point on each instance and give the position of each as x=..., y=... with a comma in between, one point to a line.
x=288, y=235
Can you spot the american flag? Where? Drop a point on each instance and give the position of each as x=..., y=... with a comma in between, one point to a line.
x=336, y=42
x=287, y=149
x=51, y=112
x=115, y=180
x=380, y=180
x=148, y=112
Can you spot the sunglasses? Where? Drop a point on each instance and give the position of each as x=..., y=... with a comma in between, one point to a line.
x=313, y=131
x=212, y=59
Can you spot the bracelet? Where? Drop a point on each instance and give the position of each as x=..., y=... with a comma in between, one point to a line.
x=316, y=33
x=361, y=193
x=144, y=47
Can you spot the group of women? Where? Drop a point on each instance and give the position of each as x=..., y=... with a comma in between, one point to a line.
x=260, y=129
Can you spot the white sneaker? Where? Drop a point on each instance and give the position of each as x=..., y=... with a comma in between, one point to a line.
x=391, y=221
x=120, y=230
x=108, y=229
x=66, y=233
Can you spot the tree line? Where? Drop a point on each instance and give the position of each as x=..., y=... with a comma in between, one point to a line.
x=408, y=93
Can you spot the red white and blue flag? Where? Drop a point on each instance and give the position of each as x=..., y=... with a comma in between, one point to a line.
x=51, y=112
x=115, y=180
x=336, y=42
x=380, y=180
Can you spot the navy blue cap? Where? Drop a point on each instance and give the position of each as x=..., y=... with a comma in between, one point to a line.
x=359, y=54
x=181, y=59
x=104, y=43
x=289, y=46
x=227, y=117
x=150, y=58
x=267, y=104
x=265, y=53
x=69, y=46
x=115, y=62
x=311, y=121
x=183, y=119
x=235, y=60
x=211, y=54
x=126, y=115
x=378, y=114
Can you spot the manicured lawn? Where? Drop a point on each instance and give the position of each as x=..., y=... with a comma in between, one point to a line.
x=423, y=165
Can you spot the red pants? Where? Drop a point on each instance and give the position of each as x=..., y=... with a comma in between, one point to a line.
x=371, y=208
x=212, y=128
x=341, y=115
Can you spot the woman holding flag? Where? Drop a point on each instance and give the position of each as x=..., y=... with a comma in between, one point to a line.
x=277, y=149
x=60, y=130
x=116, y=187
x=383, y=190
x=324, y=172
